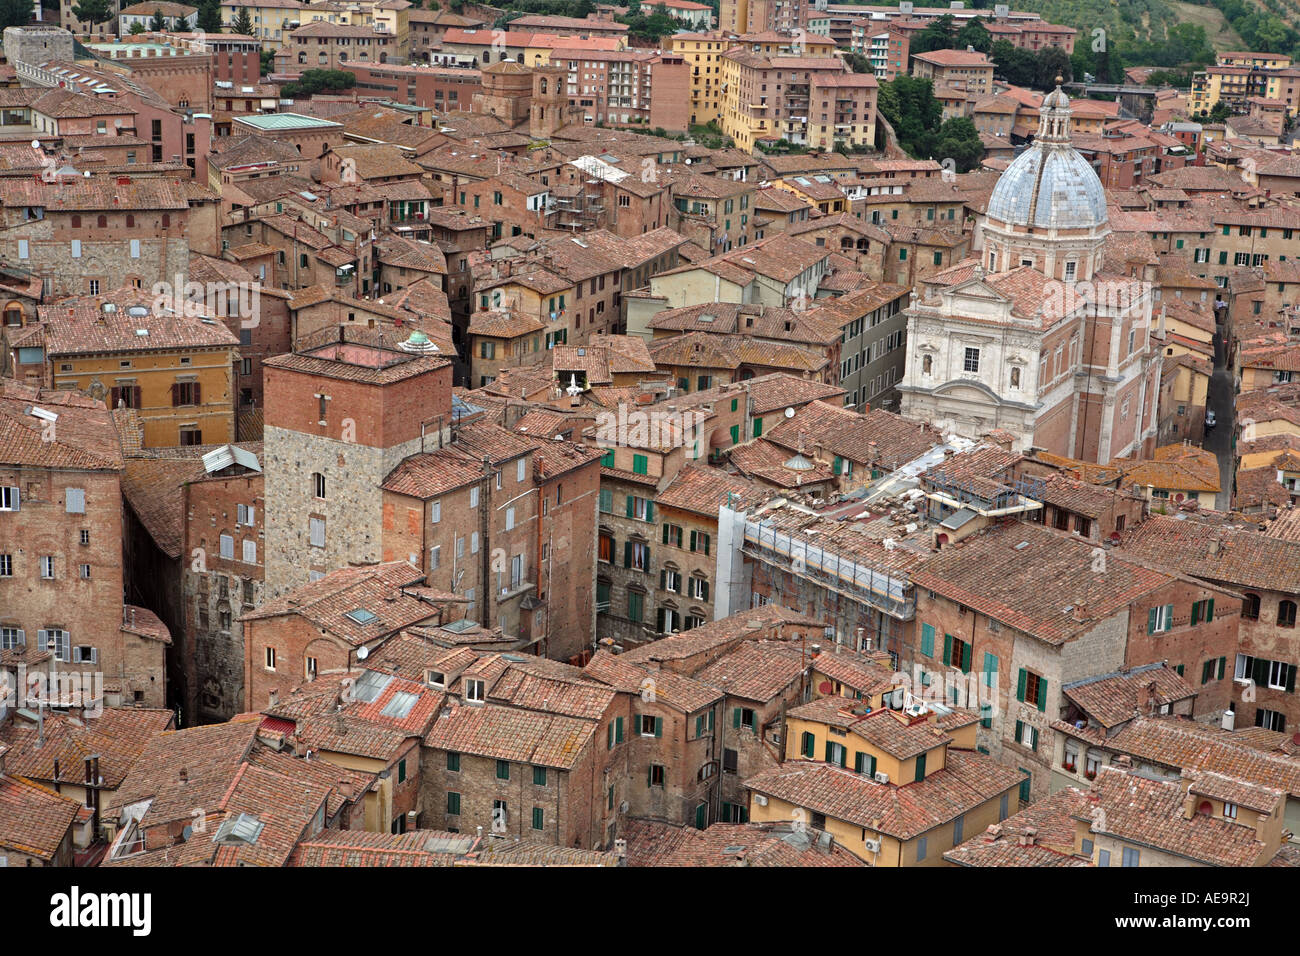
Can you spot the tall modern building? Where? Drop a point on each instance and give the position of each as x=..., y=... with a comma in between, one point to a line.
x=1035, y=337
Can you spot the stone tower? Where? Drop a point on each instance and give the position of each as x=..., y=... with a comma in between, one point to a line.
x=550, y=109
x=507, y=90
x=342, y=411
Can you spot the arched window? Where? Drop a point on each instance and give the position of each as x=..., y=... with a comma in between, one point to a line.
x=1286, y=613
x=1250, y=607
x=13, y=314
x=543, y=87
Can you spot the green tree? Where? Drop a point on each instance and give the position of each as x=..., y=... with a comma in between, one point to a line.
x=1051, y=62
x=974, y=35
x=266, y=59
x=909, y=105
x=938, y=35
x=1220, y=112
x=959, y=141
x=93, y=11
x=1018, y=67
x=210, y=16
x=136, y=28
x=858, y=63
x=242, y=23
x=15, y=13
x=159, y=23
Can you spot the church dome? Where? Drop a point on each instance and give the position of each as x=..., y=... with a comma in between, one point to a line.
x=1049, y=185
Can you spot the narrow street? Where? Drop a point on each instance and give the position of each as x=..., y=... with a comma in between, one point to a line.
x=1219, y=438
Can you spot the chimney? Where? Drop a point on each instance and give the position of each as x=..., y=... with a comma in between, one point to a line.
x=1080, y=612
x=1123, y=761
x=345, y=788
x=1146, y=697
x=993, y=833
x=1029, y=837
x=273, y=697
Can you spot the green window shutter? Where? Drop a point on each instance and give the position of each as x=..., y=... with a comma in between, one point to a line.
x=618, y=730
x=649, y=511
x=640, y=464
x=453, y=802
x=607, y=459
x=735, y=718
x=758, y=427
x=1206, y=670
x=650, y=776
x=735, y=404
x=966, y=652
x=1020, y=686
x=1223, y=663
x=609, y=737
x=627, y=554
x=1196, y=611
x=1225, y=229
x=629, y=506
x=539, y=776
x=920, y=768
x=828, y=751
x=735, y=434
x=947, y=648
x=707, y=541
x=1042, y=694
x=1223, y=258
x=1020, y=731
x=1151, y=621
x=871, y=765
x=665, y=534
x=1179, y=668
x=539, y=819
x=710, y=721
x=927, y=640
x=704, y=590
x=808, y=745
x=659, y=726
x=1290, y=678
x=692, y=540
x=1209, y=611
x=838, y=465
x=699, y=726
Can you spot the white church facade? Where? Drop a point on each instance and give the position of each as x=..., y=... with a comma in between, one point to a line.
x=1034, y=337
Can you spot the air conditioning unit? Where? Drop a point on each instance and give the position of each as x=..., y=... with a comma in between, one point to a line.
x=882, y=777
x=871, y=846
x=760, y=799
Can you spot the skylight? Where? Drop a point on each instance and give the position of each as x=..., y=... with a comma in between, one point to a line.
x=400, y=705
x=360, y=615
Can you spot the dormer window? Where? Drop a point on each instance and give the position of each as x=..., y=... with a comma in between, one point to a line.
x=474, y=691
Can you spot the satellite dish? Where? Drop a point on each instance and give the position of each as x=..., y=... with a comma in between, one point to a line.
x=363, y=653
x=789, y=413
x=36, y=144
x=187, y=833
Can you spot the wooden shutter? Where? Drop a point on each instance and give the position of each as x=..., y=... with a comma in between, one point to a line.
x=1196, y=611
x=609, y=737
x=176, y=394
x=659, y=726
x=1290, y=678
x=629, y=506
x=114, y=394
x=704, y=590
x=735, y=718
x=692, y=540
x=665, y=534
x=618, y=730
x=627, y=553
x=1020, y=731
x=920, y=767
x=947, y=648
x=1223, y=663
x=1042, y=694
x=1020, y=686
x=828, y=751
x=966, y=652
x=1260, y=674
x=198, y=394
x=927, y=640
x=1209, y=611
x=1151, y=623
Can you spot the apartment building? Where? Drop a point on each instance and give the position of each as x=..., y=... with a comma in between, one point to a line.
x=333, y=46
x=61, y=552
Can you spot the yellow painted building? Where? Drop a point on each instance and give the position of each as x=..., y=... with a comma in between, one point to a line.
x=847, y=765
x=176, y=370
x=703, y=53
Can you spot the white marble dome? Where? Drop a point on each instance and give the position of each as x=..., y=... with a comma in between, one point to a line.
x=1049, y=185
x=1049, y=188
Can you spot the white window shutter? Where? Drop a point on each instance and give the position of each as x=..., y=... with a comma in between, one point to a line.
x=75, y=501
x=250, y=551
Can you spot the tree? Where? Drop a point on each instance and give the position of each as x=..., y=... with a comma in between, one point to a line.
x=15, y=13
x=1016, y=66
x=938, y=35
x=1051, y=62
x=858, y=63
x=1220, y=112
x=266, y=61
x=974, y=35
x=93, y=11
x=210, y=16
x=159, y=23
x=137, y=28
x=909, y=105
x=242, y=24
x=959, y=141
x=316, y=81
